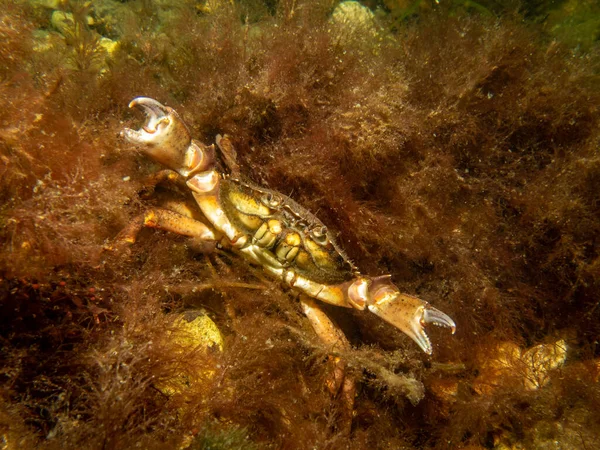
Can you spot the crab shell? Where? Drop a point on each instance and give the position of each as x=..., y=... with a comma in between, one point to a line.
x=273, y=231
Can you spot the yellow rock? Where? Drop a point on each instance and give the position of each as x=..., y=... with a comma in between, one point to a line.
x=48, y=4
x=64, y=22
x=191, y=331
x=532, y=367
x=109, y=46
x=354, y=15
x=212, y=6
x=540, y=360
x=200, y=330
x=351, y=20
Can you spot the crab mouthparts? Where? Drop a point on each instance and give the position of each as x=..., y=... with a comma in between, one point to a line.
x=155, y=113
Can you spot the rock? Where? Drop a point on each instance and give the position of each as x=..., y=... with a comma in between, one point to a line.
x=352, y=21
x=64, y=22
x=45, y=41
x=191, y=330
x=540, y=360
x=109, y=45
x=495, y=364
x=531, y=367
x=47, y=4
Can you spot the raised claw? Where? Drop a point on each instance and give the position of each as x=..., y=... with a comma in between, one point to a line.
x=166, y=139
x=407, y=313
x=157, y=122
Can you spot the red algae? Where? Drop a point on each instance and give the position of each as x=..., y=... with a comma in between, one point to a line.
x=456, y=151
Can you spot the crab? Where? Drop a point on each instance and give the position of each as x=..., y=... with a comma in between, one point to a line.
x=270, y=230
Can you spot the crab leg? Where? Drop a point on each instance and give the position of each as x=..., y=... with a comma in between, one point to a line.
x=381, y=297
x=166, y=139
x=167, y=220
x=407, y=313
x=333, y=338
x=327, y=331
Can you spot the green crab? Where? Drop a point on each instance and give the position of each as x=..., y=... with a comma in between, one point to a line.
x=271, y=230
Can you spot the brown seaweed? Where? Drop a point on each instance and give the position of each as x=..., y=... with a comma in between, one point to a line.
x=458, y=152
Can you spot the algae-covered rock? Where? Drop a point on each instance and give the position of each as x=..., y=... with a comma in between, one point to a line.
x=64, y=22
x=192, y=331
x=351, y=20
x=47, y=4
x=531, y=367
x=540, y=361
x=109, y=45
x=86, y=48
x=212, y=6
x=45, y=41
x=195, y=328
x=353, y=15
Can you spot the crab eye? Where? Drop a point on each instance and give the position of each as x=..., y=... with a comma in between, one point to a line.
x=270, y=200
x=319, y=234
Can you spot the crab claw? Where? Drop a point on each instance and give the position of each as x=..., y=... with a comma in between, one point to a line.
x=166, y=139
x=407, y=313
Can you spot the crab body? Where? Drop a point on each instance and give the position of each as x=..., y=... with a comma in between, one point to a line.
x=271, y=230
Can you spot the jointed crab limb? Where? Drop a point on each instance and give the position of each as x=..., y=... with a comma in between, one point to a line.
x=330, y=334
x=165, y=220
x=229, y=154
x=166, y=139
x=407, y=313
x=380, y=296
x=410, y=315
x=334, y=339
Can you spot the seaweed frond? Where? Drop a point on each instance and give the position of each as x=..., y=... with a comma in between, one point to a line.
x=87, y=53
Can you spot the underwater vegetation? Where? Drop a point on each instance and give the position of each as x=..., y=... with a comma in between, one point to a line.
x=454, y=148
